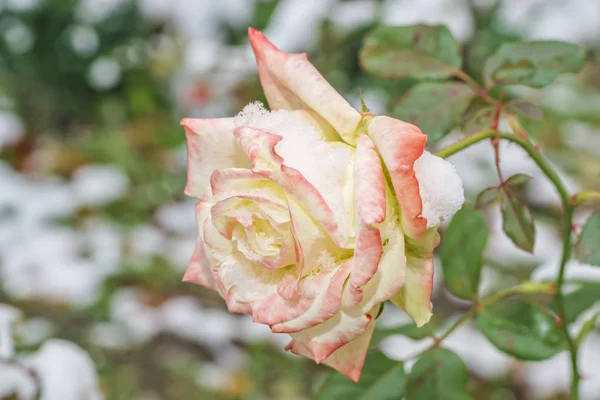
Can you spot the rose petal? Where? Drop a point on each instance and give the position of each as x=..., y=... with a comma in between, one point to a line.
x=322, y=283
x=199, y=269
x=291, y=82
x=211, y=146
x=370, y=205
x=260, y=146
x=414, y=297
x=322, y=340
x=400, y=144
x=348, y=359
x=326, y=303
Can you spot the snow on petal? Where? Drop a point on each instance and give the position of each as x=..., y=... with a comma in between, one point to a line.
x=211, y=146
x=299, y=146
x=400, y=144
x=440, y=187
x=268, y=164
x=291, y=82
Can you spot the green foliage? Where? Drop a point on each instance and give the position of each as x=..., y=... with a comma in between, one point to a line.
x=517, y=180
x=517, y=221
x=587, y=328
x=488, y=196
x=588, y=245
x=409, y=330
x=467, y=230
x=381, y=378
x=477, y=117
x=524, y=109
x=580, y=299
x=418, y=51
x=523, y=329
x=534, y=64
x=439, y=374
x=435, y=107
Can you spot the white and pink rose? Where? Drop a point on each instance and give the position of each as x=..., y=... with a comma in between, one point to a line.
x=314, y=214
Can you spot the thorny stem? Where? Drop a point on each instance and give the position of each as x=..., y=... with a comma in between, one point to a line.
x=28, y=371
x=568, y=205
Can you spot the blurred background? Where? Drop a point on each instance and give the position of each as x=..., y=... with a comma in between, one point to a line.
x=95, y=232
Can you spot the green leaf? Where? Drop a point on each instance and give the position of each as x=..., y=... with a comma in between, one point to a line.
x=517, y=222
x=462, y=252
x=517, y=180
x=409, y=330
x=381, y=378
x=488, y=196
x=580, y=299
x=440, y=374
x=534, y=64
x=587, y=328
x=525, y=109
x=417, y=51
x=485, y=42
x=478, y=117
x=588, y=244
x=435, y=107
x=522, y=329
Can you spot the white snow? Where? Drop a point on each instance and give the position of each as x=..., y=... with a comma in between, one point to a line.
x=99, y=184
x=11, y=128
x=440, y=188
x=66, y=372
x=8, y=315
x=322, y=164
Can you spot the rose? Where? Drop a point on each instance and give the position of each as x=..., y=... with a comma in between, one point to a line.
x=311, y=216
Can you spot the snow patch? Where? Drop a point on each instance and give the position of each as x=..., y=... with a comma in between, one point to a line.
x=440, y=188
x=321, y=163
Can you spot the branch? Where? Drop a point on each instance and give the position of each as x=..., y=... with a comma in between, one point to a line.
x=568, y=206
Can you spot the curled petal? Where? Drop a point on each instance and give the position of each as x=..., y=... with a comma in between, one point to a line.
x=400, y=144
x=211, y=146
x=370, y=199
x=415, y=296
x=322, y=340
x=291, y=82
x=391, y=271
x=370, y=205
x=244, y=210
x=348, y=359
x=199, y=270
x=230, y=182
x=260, y=146
x=326, y=303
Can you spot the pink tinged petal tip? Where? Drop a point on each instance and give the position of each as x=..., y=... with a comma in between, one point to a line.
x=291, y=82
x=211, y=145
x=259, y=145
x=348, y=359
x=400, y=144
x=199, y=271
x=370, y=204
